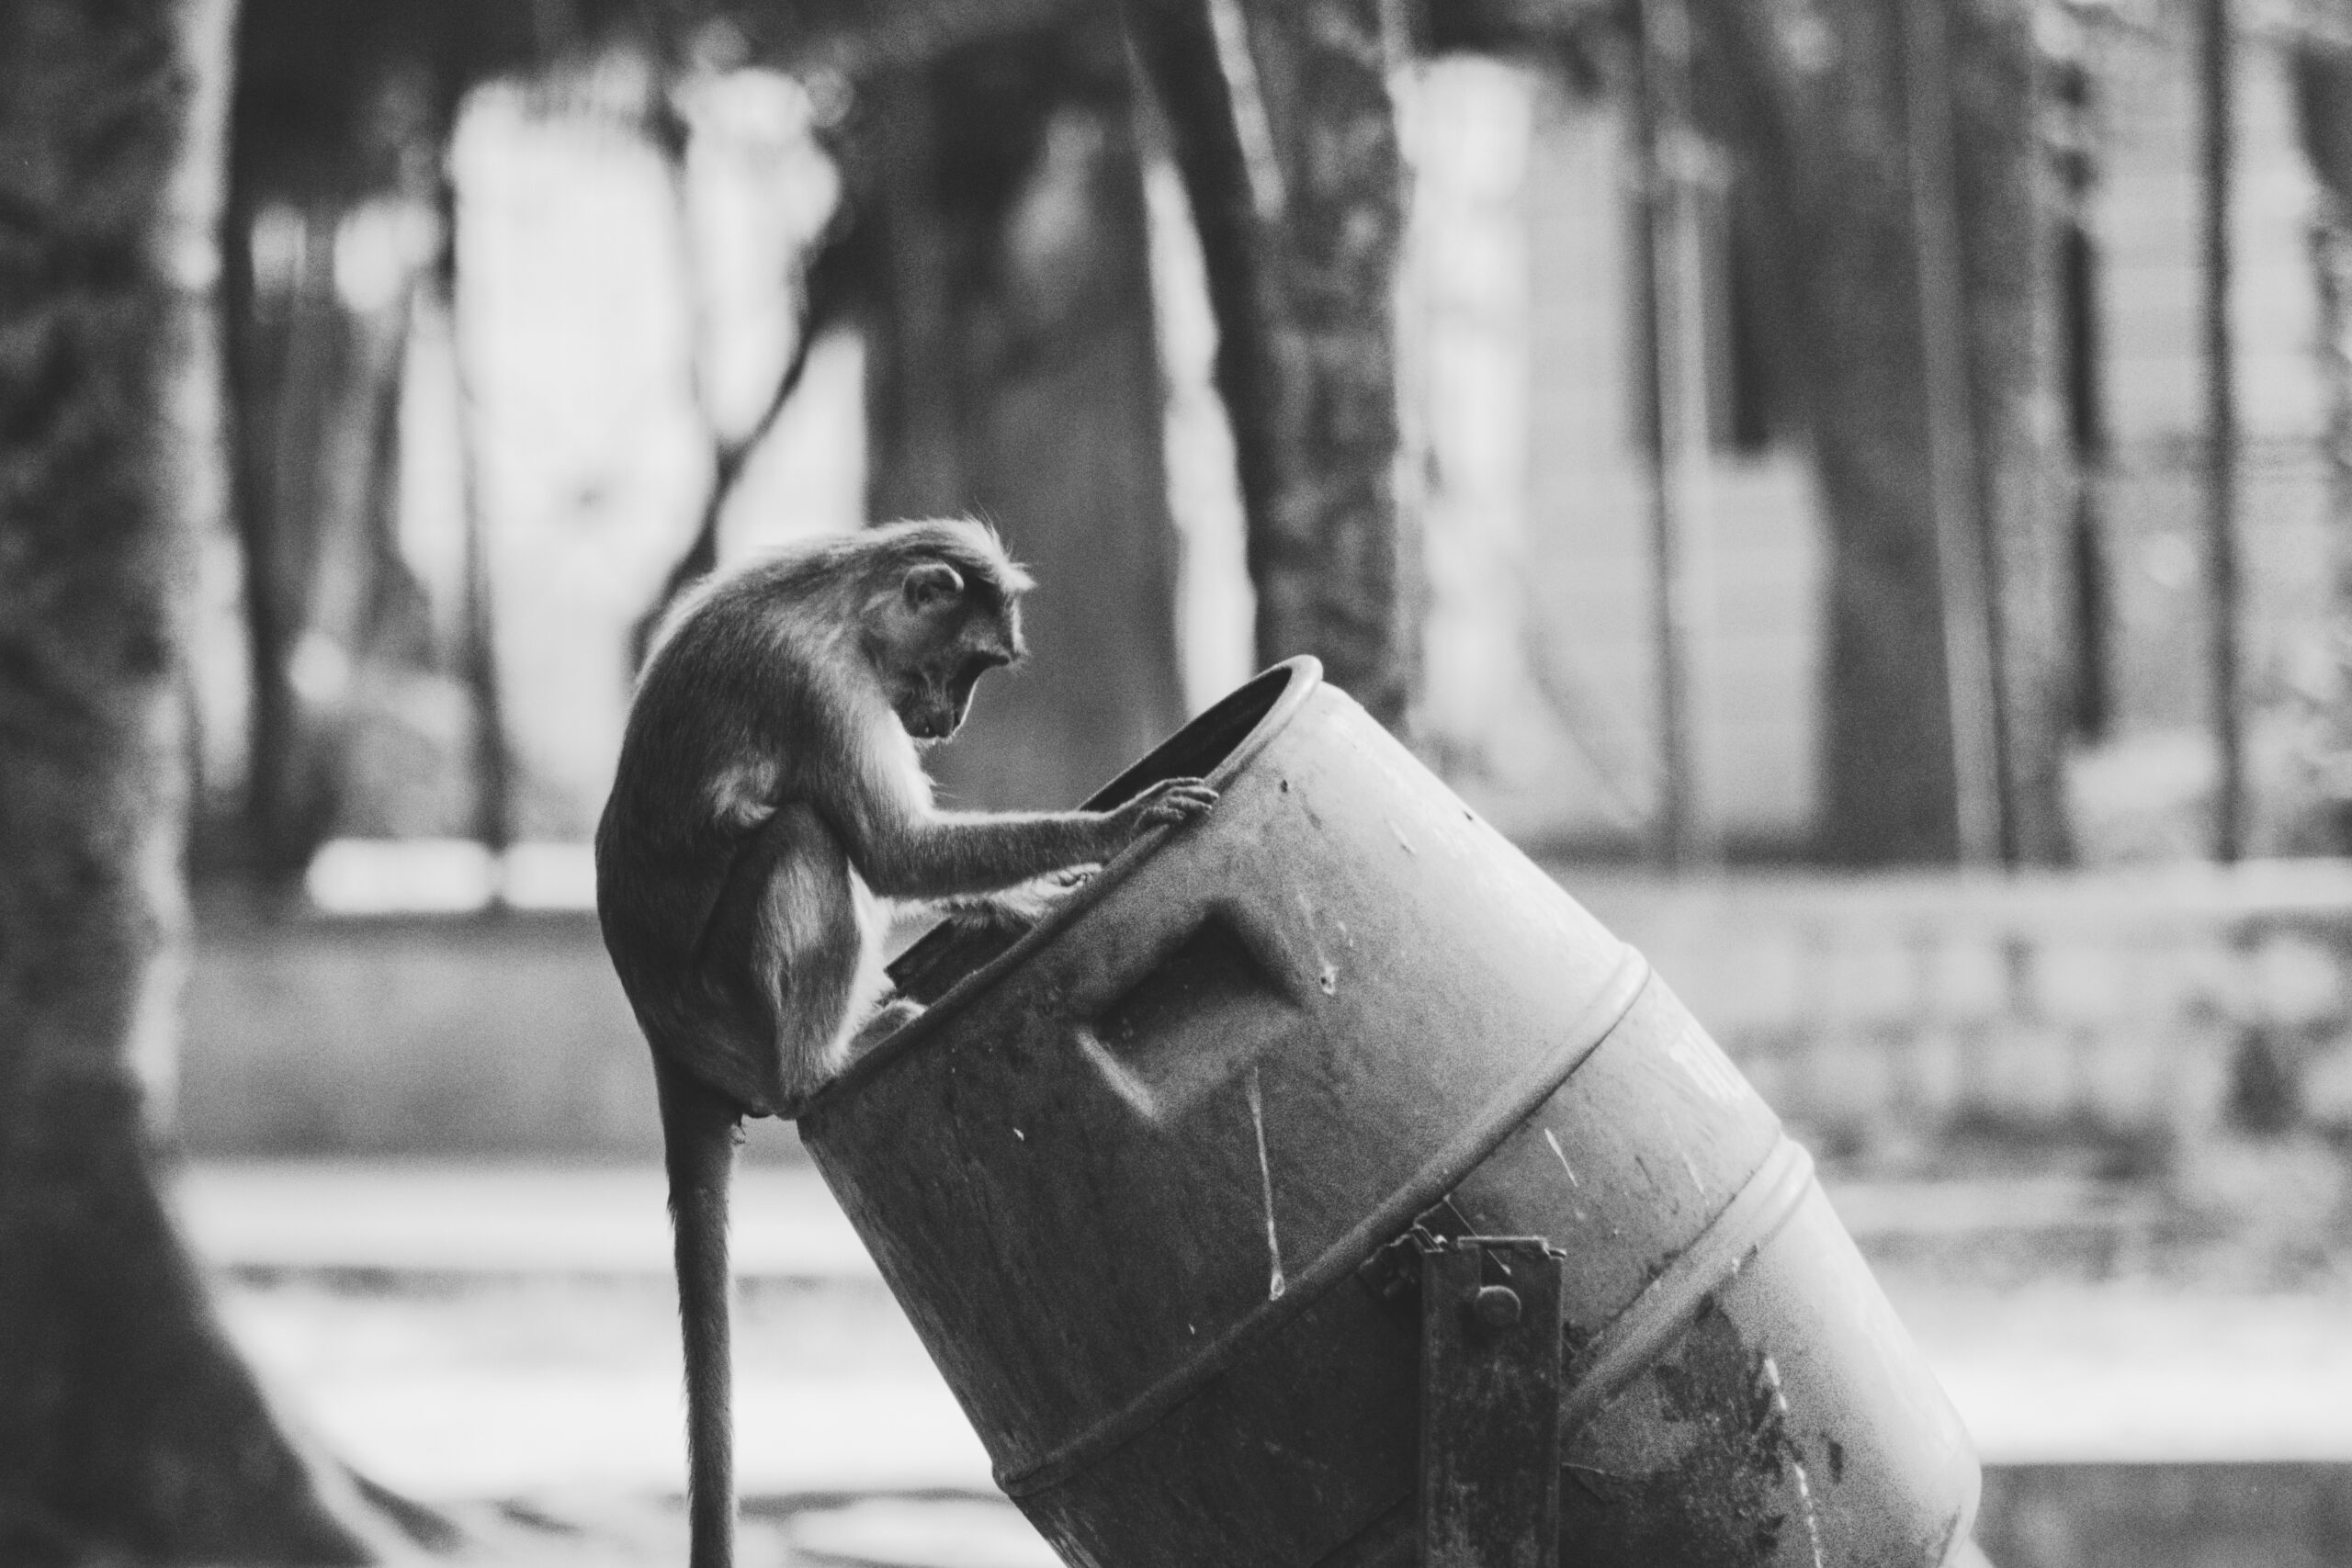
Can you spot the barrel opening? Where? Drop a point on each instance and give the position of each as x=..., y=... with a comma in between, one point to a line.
x=945, y=954
x=1201, y=746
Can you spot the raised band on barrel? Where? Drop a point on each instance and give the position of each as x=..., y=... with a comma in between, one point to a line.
x=1436, y=1178
x=1632, y=1339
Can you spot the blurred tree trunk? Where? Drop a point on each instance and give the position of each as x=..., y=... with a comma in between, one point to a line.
x=2324, y=104
x=1280, y=114
x=317, y=322
x=1013, y=372
x=819, y=294
x=127, y=1425
x=294, y=356
x=2010, y=209
x=1815, y=98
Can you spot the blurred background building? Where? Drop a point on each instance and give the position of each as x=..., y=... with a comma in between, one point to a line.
x=533, y=319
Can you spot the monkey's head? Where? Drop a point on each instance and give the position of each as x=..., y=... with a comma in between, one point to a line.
x=946, y=611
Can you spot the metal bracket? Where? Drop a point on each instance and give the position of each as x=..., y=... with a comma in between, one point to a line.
x=1490, y=1402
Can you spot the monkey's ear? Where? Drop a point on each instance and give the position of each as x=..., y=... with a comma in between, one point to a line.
x=933, y=582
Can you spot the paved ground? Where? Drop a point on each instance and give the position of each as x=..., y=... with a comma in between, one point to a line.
x=504, y=1333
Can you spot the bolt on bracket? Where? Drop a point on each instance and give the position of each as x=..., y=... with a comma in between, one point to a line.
x=1490, y=1400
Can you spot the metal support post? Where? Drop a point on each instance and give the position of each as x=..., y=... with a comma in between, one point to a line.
x=1491, y=1402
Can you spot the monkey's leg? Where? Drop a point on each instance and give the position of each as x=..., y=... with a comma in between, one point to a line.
x=813, y=955
x=700, y=1130
x=786, y=949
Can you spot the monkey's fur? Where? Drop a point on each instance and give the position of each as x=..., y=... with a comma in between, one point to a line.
x=768, y=799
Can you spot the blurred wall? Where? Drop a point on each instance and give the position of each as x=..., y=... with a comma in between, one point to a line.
x=1889, y=1018
x=503, y=1036
x=1542, y=668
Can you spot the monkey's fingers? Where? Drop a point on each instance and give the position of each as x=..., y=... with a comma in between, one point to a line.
x=1180, y=802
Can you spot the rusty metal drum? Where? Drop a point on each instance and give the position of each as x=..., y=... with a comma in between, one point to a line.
x=1132, y=1180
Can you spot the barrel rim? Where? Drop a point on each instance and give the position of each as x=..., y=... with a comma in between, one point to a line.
x=1303, y=676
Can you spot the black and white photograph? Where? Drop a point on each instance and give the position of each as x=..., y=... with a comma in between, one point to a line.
x=1175, y=784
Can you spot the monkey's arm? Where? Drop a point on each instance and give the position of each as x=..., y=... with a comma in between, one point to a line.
x=906, y=848
x=948, y=854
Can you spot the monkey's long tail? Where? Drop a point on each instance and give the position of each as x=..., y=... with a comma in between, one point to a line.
x=699, y=1132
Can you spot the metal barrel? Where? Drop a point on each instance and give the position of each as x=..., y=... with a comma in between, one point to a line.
x=1135, y=1179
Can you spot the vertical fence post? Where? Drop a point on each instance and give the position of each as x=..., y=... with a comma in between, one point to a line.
x=1689, y=835
x=1964, y=547
x=2217, y=63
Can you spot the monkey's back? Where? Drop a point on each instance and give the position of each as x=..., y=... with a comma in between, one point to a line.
x=761, y=738
x=708, y=756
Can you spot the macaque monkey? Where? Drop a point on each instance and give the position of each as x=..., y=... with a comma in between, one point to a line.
x=769, y=799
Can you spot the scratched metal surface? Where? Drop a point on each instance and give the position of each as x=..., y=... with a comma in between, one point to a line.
x=1123, y=1175
x=1491, y=1405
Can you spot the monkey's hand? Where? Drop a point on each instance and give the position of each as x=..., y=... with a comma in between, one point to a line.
x=1168, y=804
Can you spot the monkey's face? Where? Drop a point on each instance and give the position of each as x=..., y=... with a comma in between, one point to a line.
x=948, y=640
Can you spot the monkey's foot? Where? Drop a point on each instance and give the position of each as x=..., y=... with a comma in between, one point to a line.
x=1016, y=909
x=894, y=1014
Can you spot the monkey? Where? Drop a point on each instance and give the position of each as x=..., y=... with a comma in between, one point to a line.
x=768, y=802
